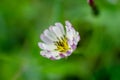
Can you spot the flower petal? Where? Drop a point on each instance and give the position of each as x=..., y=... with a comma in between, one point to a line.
x=68, y=24
x=47, y=46
x=69, y=30
x=68, y=53
x=50, y=35
x=57, y=31
x=73, y=46
x=54, y=55
x=45, y=39
x=45, y=54
x=76, y=38
x=70, y=33
x=60, y=27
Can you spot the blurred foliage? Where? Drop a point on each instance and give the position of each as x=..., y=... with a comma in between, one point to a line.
x=96, y=58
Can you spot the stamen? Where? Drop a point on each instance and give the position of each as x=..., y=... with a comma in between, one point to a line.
x=62, y=44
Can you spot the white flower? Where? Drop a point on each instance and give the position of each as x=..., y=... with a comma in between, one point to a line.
x=58, y=42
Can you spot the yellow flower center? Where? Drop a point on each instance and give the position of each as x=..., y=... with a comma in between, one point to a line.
x=62, y=44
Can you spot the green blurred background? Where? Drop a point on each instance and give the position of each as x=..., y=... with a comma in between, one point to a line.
x=96, y=58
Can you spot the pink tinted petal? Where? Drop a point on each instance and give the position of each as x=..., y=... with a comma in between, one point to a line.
x=68, y=52
x=48, y=34
x=60, y=27
x=43, y=53
x=41, y=45
x=52, y=58
x=45, y=39
x=73, y=46
x=70, y=42
x=46, y=54
x=51, y=55
x=62, y=55
x=68, y=24
x=57, y=31
x=76, y=39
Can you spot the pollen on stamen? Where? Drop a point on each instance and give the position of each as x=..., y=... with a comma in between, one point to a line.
x=62, y=45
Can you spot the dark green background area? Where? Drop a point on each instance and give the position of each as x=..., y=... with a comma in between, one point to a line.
x=97, y=56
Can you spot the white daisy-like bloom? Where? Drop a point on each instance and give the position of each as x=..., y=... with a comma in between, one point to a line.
x=58, y=42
